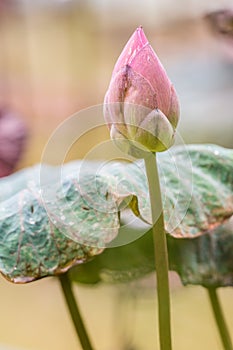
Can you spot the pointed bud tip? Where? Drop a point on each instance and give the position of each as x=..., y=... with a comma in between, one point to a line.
x=135, y=44
x=141, y=38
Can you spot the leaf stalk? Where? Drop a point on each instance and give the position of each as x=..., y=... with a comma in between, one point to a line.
x=75, y=312
x=219, y=318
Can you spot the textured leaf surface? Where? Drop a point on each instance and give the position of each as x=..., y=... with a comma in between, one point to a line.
x=33, y=243
x=196, y=185
x=197, y=194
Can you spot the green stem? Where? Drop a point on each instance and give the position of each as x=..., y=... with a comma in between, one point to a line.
x=219, y=318
x=161, y=255
x=74, y=312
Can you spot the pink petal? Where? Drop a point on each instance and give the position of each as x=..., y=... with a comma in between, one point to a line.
x=135, y=44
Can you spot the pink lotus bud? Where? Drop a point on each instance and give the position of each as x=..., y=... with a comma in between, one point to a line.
x=141, y=103
x=13, y=135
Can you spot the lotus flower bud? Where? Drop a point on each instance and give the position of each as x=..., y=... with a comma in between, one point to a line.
x=13, y=136
x=141, y=104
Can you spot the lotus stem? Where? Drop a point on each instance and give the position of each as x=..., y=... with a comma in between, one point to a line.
x=160, y=250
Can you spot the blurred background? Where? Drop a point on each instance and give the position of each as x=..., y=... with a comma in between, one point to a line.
x=56, y=59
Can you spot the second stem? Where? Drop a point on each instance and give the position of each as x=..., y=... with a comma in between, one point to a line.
x=219, y=318
x=74, y=312
x=160, y=250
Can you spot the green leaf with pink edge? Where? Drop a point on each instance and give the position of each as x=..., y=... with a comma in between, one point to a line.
x=197, y=188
